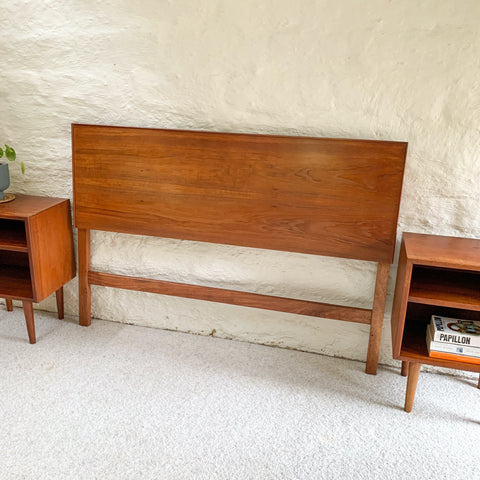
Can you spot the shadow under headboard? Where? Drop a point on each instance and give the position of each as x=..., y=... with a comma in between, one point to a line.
x=319, y=196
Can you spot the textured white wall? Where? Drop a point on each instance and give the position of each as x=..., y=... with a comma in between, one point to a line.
x=382, y=69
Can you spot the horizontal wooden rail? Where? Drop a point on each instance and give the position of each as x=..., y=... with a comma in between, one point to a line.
x=234, y=297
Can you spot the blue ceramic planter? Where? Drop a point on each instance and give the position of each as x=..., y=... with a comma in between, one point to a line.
x=4, y=178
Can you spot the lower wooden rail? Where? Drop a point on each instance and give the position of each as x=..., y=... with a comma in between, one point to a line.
x=234, y=297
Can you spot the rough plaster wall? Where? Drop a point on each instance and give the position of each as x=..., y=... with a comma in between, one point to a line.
x=383, y=69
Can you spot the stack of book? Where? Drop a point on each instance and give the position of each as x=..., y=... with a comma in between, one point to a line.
x=454, y=339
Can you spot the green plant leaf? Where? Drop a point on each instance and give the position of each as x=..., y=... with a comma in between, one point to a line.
x=1, y=153
x=10, y=153
x=22, y=165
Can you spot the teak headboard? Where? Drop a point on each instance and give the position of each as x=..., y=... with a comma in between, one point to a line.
x=311, y=195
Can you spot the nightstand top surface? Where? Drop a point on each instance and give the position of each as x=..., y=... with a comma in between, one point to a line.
x=442, y=251
x=25, y=206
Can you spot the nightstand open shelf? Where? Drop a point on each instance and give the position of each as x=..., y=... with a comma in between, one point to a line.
x=414, y=346
x=15, y=282
x=436, y=276
x=13, y=237
x=445, y=287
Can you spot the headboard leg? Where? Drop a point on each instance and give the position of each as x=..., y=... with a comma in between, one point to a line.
x=377, y=318
x=84, y=294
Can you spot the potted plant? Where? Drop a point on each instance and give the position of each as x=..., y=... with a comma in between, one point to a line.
x=10, y=154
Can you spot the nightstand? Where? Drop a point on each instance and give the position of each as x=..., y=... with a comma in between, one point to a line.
x=436, y=276
x=36, y=252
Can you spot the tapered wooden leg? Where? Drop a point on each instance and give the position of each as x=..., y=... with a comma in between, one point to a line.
x=28, y=311
x=59, y=298
x=84, y=292
x=405, y=369
x=412, y=379
x=376, y=323
x=9, y=303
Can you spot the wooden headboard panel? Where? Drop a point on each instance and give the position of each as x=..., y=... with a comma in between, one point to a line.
x=309, y=195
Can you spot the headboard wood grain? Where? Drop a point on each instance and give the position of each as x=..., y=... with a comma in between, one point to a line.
x=320, y=196
x=310, y=195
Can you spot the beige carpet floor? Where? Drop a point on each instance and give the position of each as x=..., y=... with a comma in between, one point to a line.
x=116, y=401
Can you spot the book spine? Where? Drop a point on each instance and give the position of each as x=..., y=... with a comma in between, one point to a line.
x=456, y=349
x=452, y=356
x=441, y=333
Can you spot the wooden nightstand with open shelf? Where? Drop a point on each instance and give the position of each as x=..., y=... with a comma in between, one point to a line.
x=436, y=275
x=36, y=252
